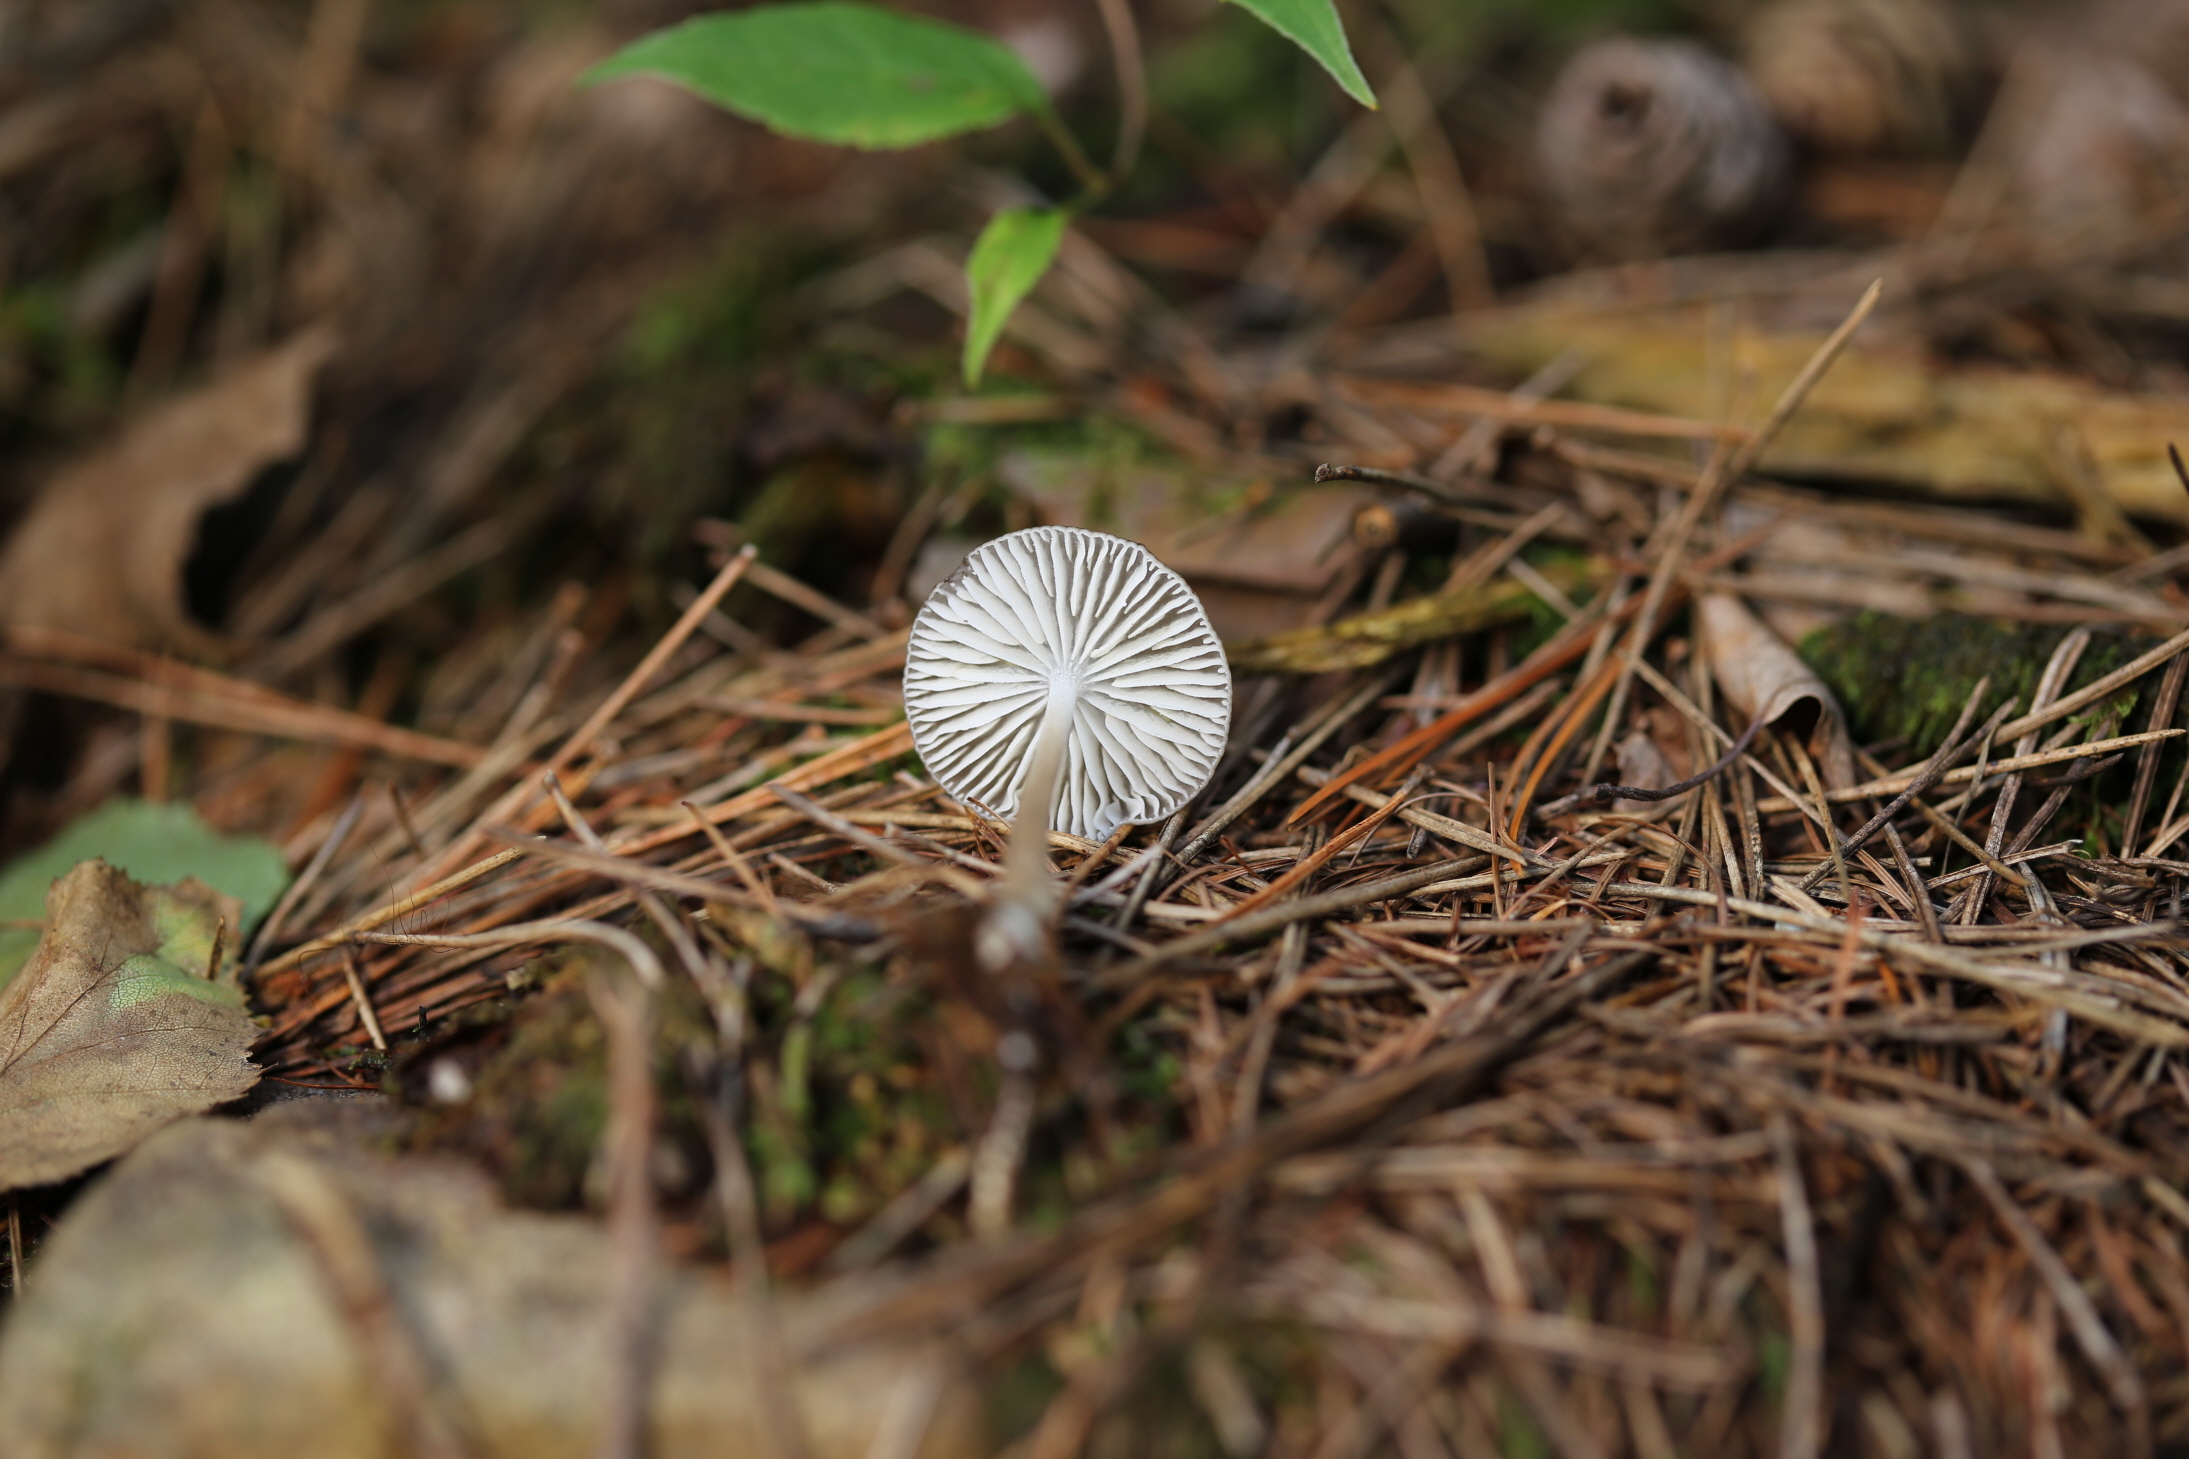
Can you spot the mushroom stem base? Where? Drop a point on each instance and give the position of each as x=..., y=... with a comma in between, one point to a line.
x=1016, y=928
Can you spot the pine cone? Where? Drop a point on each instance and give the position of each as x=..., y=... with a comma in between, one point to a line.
x=1860, y=76
x=1651, y=147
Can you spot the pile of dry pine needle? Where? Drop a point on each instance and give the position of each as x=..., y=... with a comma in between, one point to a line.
x=1506, y=1117
x=1395, y=1099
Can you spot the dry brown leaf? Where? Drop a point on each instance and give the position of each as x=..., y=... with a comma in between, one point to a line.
x=112, y=1030
x=1761, y=675
x=101, y=551
x=1886, y=412
x=1239, y=530
x=264, y=1290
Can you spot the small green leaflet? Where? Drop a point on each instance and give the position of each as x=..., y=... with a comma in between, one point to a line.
x=155, y=843
x=1014, y=251
x=837, y=71
x=1313, y=26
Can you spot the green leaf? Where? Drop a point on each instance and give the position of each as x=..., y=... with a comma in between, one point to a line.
x=836, y=71
x=153, y=843
x=1014, y=251
x=1313, y=26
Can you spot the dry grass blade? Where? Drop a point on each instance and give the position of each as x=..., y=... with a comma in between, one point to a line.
x=1261, y=924
x=253, y=712
x=2007, y=765
x=1804, y=1431
x=2098, y=689
x=1497, y=405
x=2105, y=1354
x=391, y=912
x=1933, y=770
x=1581, y=1344
x=582, y=739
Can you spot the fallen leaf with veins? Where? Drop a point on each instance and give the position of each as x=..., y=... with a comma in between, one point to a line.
x=101, y=551
x=114, y=1029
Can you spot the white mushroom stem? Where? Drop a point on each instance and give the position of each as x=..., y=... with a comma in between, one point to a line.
x=1017, y=925
x=1070, y=677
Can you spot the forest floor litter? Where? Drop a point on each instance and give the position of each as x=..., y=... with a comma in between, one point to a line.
x=1683, y=953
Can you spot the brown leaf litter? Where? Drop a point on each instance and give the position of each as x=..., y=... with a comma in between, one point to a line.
x=1731, y=1040
x=1408, y=1093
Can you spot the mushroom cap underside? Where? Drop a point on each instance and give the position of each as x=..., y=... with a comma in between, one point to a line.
x=1096, y=625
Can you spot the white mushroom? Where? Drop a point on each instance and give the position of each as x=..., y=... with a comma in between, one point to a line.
x=1062, y=635
x=1068, y=675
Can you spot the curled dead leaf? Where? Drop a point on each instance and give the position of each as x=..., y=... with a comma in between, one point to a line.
x=113, y=1029
x=1761, y=675
x=101, y=551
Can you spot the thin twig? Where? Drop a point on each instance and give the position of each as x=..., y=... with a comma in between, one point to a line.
x=1604, y=794
x=355, y=979
x=1801, y=1435
x=2102, y=688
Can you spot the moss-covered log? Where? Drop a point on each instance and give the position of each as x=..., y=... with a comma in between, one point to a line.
x=1905, y=679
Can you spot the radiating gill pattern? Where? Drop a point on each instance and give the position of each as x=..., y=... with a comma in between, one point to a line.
x=1095, y=618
